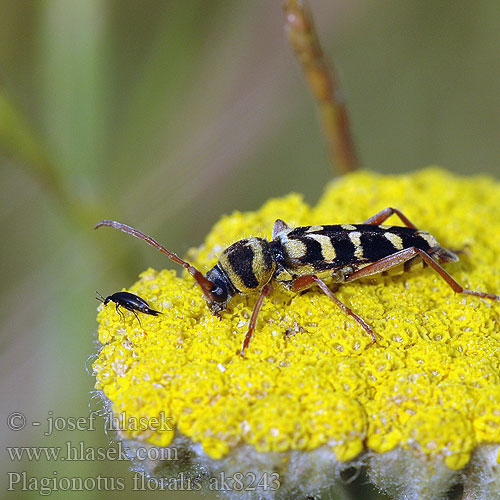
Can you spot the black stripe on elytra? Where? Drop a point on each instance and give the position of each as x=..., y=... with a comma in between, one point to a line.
x=414, y=240
x=298, y=232
x=313, y=251
x=239, y=257
x=339, y=237
x=344, y=248
x=376, y=246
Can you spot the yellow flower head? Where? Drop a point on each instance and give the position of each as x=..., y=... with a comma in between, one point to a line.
x=312, y=379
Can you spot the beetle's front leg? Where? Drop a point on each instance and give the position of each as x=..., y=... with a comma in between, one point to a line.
x=266, y=290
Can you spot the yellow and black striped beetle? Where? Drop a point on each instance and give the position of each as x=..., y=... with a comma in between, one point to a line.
x=301, y=257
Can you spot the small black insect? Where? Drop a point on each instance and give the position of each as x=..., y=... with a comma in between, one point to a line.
x=130, y=302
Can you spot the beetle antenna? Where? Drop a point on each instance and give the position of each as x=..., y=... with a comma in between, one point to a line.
x=100, y=298
x=205, y=284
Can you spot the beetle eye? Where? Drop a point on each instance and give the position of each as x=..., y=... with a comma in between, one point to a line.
x=219, y=291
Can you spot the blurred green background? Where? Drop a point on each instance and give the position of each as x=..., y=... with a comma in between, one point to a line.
x=166, y=115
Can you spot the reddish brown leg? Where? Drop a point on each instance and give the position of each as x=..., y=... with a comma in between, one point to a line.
x=304, y=282
x=266, y=290
x=405, y=255
x=383, y=215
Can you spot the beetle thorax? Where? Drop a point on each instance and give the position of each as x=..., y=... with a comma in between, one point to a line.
x=248, y=264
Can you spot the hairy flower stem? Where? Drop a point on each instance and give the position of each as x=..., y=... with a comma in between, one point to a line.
x=323, y=84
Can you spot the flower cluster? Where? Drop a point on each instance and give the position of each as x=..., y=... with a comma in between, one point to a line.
x=314, y=393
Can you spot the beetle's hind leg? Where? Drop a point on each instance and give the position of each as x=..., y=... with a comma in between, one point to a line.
x=135, y=314
x=383, y=215
x=407, y=254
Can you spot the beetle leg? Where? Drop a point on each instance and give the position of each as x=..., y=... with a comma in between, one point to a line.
x=266, y=290
x=383, y=215
x=119, y=312
x=405, y=255
x=135, y=314
x=303, y=282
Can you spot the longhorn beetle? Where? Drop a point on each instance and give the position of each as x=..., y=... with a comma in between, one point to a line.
x=301, y=257
x=130, y=302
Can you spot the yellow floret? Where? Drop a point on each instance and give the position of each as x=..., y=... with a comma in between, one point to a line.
x=312, y=377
